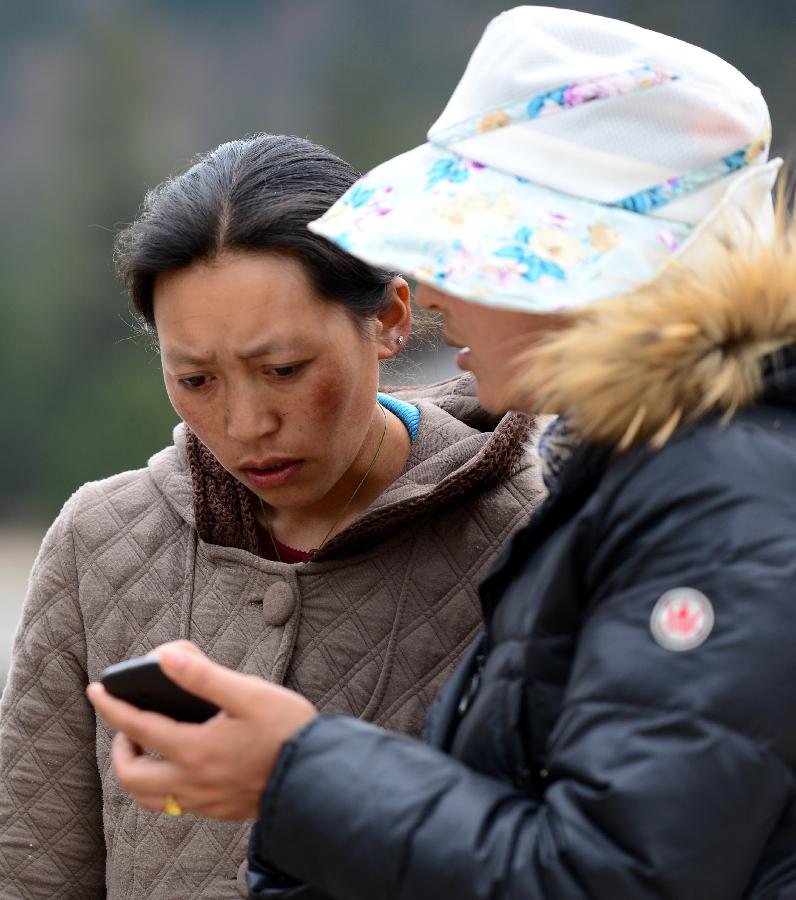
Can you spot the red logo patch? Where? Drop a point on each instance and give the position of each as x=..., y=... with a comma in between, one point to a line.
x=682, y=619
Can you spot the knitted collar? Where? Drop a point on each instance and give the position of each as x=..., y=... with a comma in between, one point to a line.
x=225, y=514
x=223, y=507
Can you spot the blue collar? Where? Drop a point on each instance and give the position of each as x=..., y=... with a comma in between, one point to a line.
x=406, y=412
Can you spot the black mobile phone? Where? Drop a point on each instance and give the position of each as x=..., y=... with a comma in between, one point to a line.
x=141, y=682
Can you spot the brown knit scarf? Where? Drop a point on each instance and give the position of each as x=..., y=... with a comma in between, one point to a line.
x=224, y=508
x=222, y=505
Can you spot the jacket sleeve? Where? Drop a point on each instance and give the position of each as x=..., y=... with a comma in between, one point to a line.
x=264, y=882
x=665, y=772
x=51, y=840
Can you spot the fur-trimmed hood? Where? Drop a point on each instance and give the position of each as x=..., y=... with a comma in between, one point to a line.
x=630, y=370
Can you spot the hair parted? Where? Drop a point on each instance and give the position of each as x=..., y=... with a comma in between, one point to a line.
x=255, y=194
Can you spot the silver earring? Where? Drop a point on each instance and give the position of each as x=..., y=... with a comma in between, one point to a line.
x=399, y=340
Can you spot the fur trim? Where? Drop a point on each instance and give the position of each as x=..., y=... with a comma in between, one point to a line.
x=630, y=370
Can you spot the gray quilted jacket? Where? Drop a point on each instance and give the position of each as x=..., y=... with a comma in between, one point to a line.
x=372, y=627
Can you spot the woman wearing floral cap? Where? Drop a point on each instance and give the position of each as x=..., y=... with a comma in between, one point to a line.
x=592, y=214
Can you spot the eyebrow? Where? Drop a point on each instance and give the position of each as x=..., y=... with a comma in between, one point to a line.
x=184, y=357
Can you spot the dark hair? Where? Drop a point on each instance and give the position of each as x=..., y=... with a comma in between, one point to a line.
x=256, y=194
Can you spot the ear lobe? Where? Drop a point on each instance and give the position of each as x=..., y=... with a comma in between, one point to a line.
x=395, y=318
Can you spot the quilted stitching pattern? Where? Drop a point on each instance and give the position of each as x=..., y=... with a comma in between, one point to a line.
x=380, y=644
x=46, y=751
x=120, y=572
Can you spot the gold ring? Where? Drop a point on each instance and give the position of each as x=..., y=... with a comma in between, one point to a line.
x=171, y=807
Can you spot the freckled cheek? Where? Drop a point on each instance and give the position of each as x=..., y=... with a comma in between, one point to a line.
x=197, y=415
x=332, y=411
x=327, y=402
x=177, y=398
x=173, y=393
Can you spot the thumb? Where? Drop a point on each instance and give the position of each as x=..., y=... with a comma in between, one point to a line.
x=231, y=691
x=181, y=644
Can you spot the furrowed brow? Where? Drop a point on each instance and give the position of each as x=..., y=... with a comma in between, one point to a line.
x=178, y=357
x=265, y=349
x=183, y=357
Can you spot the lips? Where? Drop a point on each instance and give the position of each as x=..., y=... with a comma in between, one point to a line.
x=271, y=473
x=462, y=358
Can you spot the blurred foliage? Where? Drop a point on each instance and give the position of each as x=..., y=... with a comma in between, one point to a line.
x=102, y=99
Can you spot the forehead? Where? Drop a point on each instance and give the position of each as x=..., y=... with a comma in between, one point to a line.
x=489, y=319
x=242, y=297
x=235, y=283
x=230, y=274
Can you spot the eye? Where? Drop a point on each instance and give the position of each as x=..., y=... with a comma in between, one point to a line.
x=192, y=382
x=286, y=371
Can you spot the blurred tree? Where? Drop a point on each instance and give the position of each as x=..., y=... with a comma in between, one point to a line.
x=102, y=99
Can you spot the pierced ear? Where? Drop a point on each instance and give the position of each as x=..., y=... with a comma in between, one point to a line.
x=395, y=318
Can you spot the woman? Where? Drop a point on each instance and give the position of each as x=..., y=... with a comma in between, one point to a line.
x=626, y=728
x=303, y=527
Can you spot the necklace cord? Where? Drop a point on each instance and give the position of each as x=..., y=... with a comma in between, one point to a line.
x=348, y=502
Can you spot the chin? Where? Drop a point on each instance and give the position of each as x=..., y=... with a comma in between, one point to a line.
x=495, y=399
x=491, y=401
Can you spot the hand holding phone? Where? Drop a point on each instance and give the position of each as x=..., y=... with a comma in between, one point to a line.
x=141, y=681
x=218, y=770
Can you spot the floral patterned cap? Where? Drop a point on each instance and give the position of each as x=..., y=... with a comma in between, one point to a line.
x=577, y=156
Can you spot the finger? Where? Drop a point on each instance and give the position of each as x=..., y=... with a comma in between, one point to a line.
x=234, y=692
x=142, y=775
x=148, y=729
x=124, y=750
x=152, y=802
x=180, y=645
x=223, y=811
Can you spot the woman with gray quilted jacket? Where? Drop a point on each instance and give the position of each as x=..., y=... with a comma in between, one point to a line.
x=303, y=527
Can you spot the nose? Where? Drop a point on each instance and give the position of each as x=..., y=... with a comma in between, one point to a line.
x=430, y=298
x=249, y=415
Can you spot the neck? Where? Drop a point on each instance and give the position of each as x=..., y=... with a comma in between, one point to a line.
x=380, y=459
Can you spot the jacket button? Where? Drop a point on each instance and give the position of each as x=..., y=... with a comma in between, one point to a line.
x=278, y=604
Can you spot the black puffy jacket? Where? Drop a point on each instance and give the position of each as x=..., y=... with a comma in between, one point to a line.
x=600, y=742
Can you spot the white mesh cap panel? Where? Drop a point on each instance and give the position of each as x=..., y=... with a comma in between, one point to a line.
x=679, y=137
x=612, y=147
x=532, y=49
x=577, y=156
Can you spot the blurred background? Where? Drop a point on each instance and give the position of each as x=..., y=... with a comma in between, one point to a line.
x=102, y=99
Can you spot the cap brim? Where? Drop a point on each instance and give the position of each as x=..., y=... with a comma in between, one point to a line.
x=495, y=238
